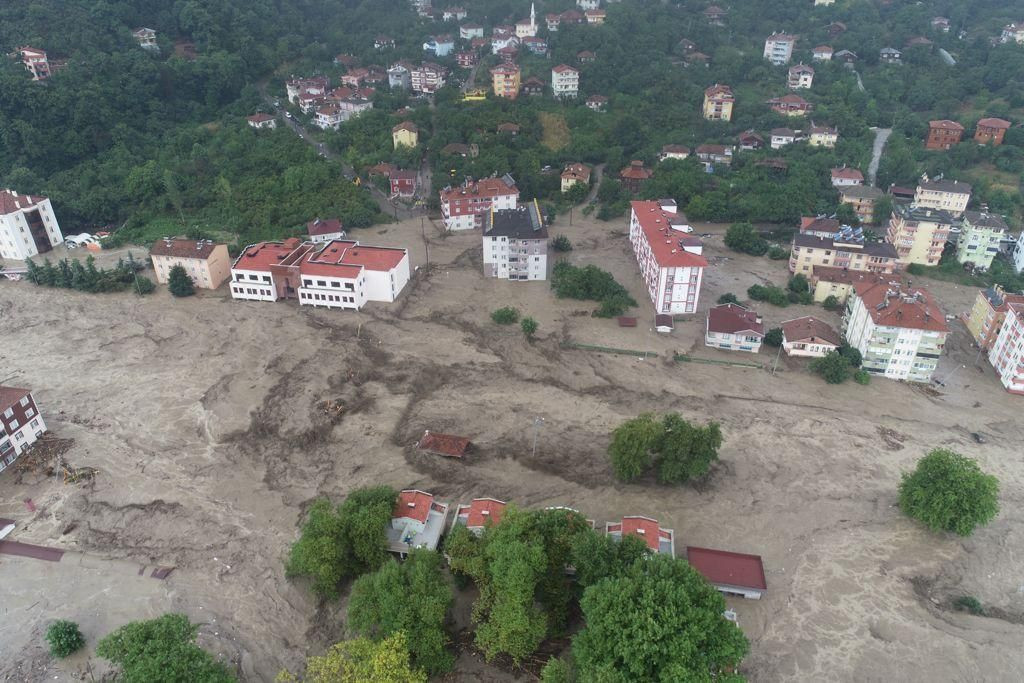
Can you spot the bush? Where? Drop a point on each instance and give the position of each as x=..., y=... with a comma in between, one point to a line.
x=555, y=671
x=161, y=649
x=833, y=367
x=143, y=285
x=851, y=354
x=969, y=603
x=778, y=254
x=916, y=269
x=561, y=244
x=744, y=238
x=529, y=327
x=949, y=492
x=64, y=638
x=772, y=294
x=505, y=316
x=862, y=377
x=729, y=298
x=831, y=303
x=179, y=283
x=773, y=337
x=798, y=284
x=591, y=283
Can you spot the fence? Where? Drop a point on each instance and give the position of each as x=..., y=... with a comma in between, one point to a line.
x=608, y=349
x=683, y=358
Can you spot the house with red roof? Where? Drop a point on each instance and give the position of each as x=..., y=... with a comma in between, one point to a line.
x=943, y=134
x=810, y=337
x=479, y=514
x=448, y=445
x=324, y=230
x=28, y=225
x=790, y=105
x=634, y=176
x=658, y=540
x=990, y=131
x=403, y=184
x=20, y=423
x=262, y=120
x=417, y=521
x=733, y=328
x=336, y=274
x=671, y=260
x=731, y=573
x=463, y=207
x=36, y=62
x=822, y=53
x=845, y=176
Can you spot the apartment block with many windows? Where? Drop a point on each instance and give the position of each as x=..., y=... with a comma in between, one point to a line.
x=464, y=207
x=28, y=226
x=918, y=234
x=516, y=243
x=1007, y=352
x=20, y=423
x=669, y=256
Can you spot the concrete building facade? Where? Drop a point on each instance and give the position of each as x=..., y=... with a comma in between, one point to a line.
x=206, y=262
x=1007, y=352
x=670, y=258
x=918, y=234
x=516, y=243
x=28, y=226
x=464, y=207
x=980, y=236
x=20, y=423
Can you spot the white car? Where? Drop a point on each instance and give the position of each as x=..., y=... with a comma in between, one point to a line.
x=80, y=240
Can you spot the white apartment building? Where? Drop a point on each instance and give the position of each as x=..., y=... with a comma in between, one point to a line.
x=1018, y=254
x=28, y=226
x=980, y=236
x=669, y=256
x=427, y=78
x=399, y=77
x=948, y=195
x=516, y=244
x=464, y=207
x=20, y=423
x=1007, y=352
x=801, y=77
x=900, y=333
x=338, y=274
x=778, y=48
x=565, y=81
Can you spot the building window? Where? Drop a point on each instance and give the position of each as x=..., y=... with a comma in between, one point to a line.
x=24, y=401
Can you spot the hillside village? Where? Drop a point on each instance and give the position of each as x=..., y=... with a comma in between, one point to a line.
x=457, y=305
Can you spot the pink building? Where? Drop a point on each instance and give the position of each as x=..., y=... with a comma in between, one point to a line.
x=479, y=514
x=1007, y=352
x=463, y=207
x=669, y=257
x=657, y=539
x=20, y=423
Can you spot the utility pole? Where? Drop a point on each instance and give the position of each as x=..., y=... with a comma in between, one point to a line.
x=426, y=245
x=538, y=422
x=776, y=364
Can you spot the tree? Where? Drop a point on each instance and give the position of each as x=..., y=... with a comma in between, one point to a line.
x=630, y=449
x=529, y=327
x=660, y=621
x=598, y=556
x=412, y=598
x=143, y=285
x=336, y=545
x=561, y=244
x=556, y=671
x=684, y=450
x=833, y=367
x=362, y=661
x=798, y=284
x=744, y=237
x=64, y=638
x=773, y=337
x=831, y=303
x=949, y=492
x=882, y=210
x=728, y=298
x=852, y=355
x=846, y=215
x=179, y=283
x=505, y=316
x=161, y=649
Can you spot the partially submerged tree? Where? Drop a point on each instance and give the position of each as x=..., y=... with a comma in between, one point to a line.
x=64, y=638
x=949, y=492
x=161, y=649
x=361, y=661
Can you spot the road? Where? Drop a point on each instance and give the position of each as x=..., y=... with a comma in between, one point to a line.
x=595, y=184
x=881, y=135
x=387, y=206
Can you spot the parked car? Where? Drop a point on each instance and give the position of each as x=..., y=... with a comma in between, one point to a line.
x=80, y=240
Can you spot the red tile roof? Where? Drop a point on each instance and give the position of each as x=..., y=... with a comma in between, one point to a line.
x=810, y=330
x=444, y=444
x=323, y=227
x=413, y=504
x=577, y=171
x=945, y=124
x=351, y=253
x=733, y=318
x=994, y=123
x=10, y=396
x=563, y=68
x=11, y=201
x=261, y=256
x=724, y=568
x=662, y=239
x=485, y=187
x=406, y=125
x=908, y=308
x=636, y=171
x=718, y=90
x=259, y=118
x=482, y=511
x=846, y=172
x=200, y=249
x=642, y=527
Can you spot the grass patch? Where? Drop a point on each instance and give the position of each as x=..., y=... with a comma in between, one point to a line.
x=555, y=135
x=947, y=272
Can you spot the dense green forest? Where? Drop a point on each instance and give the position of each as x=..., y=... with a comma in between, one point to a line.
x=159, y=142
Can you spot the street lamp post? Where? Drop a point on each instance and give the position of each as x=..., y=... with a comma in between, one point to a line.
x=538, y=422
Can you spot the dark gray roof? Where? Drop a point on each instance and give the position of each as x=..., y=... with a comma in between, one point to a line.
x=521, y=223
x=912, y=212
x=987, y=220
x=861, y=192
x=881, y=249
x=946, y=186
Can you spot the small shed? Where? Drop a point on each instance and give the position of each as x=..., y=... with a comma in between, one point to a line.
x=447, y=445
x=731, y=573
x=663, y=323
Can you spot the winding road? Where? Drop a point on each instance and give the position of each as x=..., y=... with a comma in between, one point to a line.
x=881, y=135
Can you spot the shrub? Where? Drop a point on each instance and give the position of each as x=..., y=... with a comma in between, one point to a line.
x=862, y=377
x=778, y=254
x=772, y=294
x=162, y=649
x=744, y=238
x=561, y=244
x=179, y=283
x=833, y=367
x=773, y=337
x=729, y=298
x=831, y=303
x=798, y=284
x=851, y=354
x=64, y=638
x=969, y=603
x=555, y=671
x=143, y=285
x=591, y=283
x=915, y=269
x=529, y=327
x=949, y=492
x=505, y=316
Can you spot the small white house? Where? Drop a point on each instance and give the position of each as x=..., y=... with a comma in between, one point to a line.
x=734, y=328
x=809, y=336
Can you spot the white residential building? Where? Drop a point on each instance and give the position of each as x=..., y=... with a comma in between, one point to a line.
x=899, y=332
x=464, y=207
x=669, y=256
x=584, y=5
x=565, y=81
x=778, y=48
x=801, y=77
x=1018, y=254
x=20, y=423
x=1007, y=352
x=146, y=38
x=780, y=137
x=27, y=226
x=337, y=274
x=733, y=328
x=527, y=28
x=399, y=77
x=417, y=521
x=948, y=195
x=516, y=243
x=810, y=337
x=471, y=31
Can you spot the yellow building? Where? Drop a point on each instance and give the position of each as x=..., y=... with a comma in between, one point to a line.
x=947, y=195
x=405, y=134
x=506, y=80
x=206, y=262
x=987, y=314
x=828, y=281
x=918, y=234
x=575, y=174
x=718, y=101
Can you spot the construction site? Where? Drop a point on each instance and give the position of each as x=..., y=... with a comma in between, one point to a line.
x=187, y=438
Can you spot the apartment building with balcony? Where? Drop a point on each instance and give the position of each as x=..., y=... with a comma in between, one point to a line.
x=947, y=195
x=918, y=234
x=565, y=81
x=844, y=250
x=28, y=226
x=1007, y=352
x=980, y=236
x=205, y=261
x=670, y=258
x=505, y=79
x=516, y=243
x=943, y=134
x=718, y=103
x=464, y=207
x=988, y=313
x=778, y=48
x=20, y=423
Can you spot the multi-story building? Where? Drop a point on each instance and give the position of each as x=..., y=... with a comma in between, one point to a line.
x=714, y=155
x=943, y=134
x=575, y=174
x=565, y=81
x=328, y=117
x=527, y=28
x=337, y=274
x=403, y=183
x=809, y=337
x=778, y=48
x=988, y=312
x=670, y=258
x=417, y=521
x=405, y=134
x=471, y=31
x=862, y=198
x=890, y=55
x=946, y=195
x=399, y=77
x=479, y=514
x=673, y=152
x=262, y=120
x=829, y=281
x=28, y=226
x=206, y=262
x=20, y=423
x=801, y=77
x=427, y=78
x=1018, y=254
x=658, y=540
x=36, y=62
x=822, y=136
x=822, y=53
x=439, y=46
x=506, y=80
x=750, y=140
x=146, y=38
x=297, y=87
x=845, y=176
x=918, y=234
x=990, y=131
x=464, y=207
x=634, y=176
x=980, y=235
x=1012, y=33
x=718, y=102
x=899, y=332
x=790, y=105
x=845, y=250
x=454, y=14
x=733, y=328
x=780, y=137
x=1007, y=352
x=516, y=243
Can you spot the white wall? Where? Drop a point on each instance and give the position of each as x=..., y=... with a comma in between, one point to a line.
x=385, y=286
x=252, y=289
